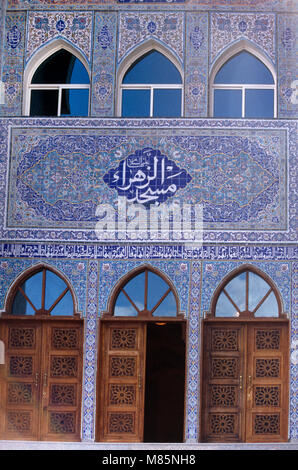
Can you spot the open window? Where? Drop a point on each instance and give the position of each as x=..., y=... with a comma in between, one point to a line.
x=243, y=87
x=151, y=87
x=59, y=86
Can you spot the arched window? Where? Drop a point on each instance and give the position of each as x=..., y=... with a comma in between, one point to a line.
x=247, y=294
x=151, y=87
x=145, y=294
x=42, y=292
x=59, y=87
x=243, y=87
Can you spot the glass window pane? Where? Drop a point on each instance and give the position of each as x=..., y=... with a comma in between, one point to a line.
x=269, y=307
x=244, y=68
x=54, y=287
x=152, y=68
x=74, y=102
x=135, y=103
x=258, y=288
x=21, y=306
x=259, y=103
x=228, y=103
x=224, y=308
x=65, y=306
x=167, y=103
x=123, y=307
x=167, y=308
x=236, y=289
x=61, y=67
x=135, y=289
x=157, y=287
x=44, y=103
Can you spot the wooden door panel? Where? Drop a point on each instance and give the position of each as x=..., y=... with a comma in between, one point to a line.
x=122, y=382
x=223, y=381
x=267, y=382
x=62, y=381
x=21, y=380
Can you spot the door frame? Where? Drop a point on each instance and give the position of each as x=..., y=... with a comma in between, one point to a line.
x=135, y=320
x=232, y=322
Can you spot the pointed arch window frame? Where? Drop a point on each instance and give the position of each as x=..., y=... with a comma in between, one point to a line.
x=41, y=313
x=241, y=46
x=36, y=60
x=140, y=51
x=146, y=314
x=246, y=314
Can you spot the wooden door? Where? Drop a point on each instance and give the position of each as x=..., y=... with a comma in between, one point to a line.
x=245, y=381
x=224, y=363
x=267, y=383
x=41, y=380
x=20, y=380
x=122, y=380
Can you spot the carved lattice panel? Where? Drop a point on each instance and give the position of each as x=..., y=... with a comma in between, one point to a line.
x=266, y=424
x=224, y=367
x=20, y=366
x=62, y=394
x=21, y=338
x=19, y=393
x=223, y=395
x=122, y=394
x=121, y=423
x=267, y=339
x=65, y=338
x=224, y=339
x=123, y=338
x=19, y=422
x=122, y=366
x=266, y=367
x=64, y=366
x=62, y=423
x=267, y=396
x=222, y=424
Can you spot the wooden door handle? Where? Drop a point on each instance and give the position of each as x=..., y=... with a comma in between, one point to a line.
x=240, y=382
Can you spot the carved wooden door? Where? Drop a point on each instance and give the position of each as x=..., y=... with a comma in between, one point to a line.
x=122, y=376
x=20, y=375
x=267, y=383
x=245, y=381
x=41, y=380
x=223, y=382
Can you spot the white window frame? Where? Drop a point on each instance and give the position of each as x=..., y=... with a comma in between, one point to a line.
x=38, y=58
x=137, y=53
x=240, y=46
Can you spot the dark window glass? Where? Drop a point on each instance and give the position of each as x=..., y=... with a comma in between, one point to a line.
x=44, y=103
x=228, y=103
x=74, y=102
x=244, y=68
x=167, y=103
x=259, y=103
x=61, y=68
x=135, y=103
x=153, y=68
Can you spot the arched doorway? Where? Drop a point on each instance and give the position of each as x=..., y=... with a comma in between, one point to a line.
x=41, y=380
x=245, y=362
x=141, y=373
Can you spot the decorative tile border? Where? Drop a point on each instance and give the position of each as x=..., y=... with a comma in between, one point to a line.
x=103, y=69
x=73, y=27
x=227, y=28
x=136, y=28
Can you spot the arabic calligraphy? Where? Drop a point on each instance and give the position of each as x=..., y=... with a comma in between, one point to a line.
x=147, y=177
